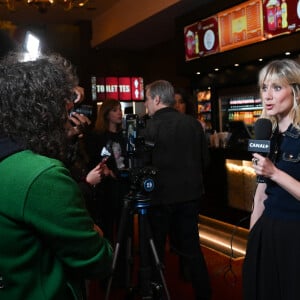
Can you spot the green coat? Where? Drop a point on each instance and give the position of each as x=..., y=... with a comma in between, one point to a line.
x=47, y=242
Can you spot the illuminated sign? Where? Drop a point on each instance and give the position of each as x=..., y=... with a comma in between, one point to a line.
x=208, y=36
x=191, y=41
x=241, y=25
x=118, y=88
x=281, y=17
x=235, y=27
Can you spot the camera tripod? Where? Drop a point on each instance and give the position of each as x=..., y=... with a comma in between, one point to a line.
x=148, y=290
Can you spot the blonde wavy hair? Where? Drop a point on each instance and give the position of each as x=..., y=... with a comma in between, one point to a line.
x=287, y=72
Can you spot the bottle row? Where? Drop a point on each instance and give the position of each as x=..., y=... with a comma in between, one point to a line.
x=238, y=103
x=249, y=117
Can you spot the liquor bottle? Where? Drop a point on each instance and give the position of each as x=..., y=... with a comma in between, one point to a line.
x=271, y=15
x=278, y=15
x=196, y=43
x=284, y=14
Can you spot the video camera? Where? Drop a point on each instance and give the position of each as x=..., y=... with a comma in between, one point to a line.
x=139, y=153
x=84, y=109
x=138, y=149
x=80, y=108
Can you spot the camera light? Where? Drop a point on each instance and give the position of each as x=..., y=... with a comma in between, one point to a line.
x=32, y=47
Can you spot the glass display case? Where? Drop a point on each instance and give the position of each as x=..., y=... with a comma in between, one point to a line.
x=204, y=107
x=246, y=108
x=241, y=180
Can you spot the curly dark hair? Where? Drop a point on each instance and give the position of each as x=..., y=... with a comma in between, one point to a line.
x=33, y=99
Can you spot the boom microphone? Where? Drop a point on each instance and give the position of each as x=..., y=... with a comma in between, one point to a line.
x=261, y=144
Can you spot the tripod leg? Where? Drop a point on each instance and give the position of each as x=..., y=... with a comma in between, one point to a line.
x=159, y=267
x=145, y=267
x=120, y=237
x=146, y=240
x=129, y=259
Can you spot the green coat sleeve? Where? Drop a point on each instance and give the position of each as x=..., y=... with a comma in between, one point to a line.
x=55, y=209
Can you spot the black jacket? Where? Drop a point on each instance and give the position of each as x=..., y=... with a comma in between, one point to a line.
x=8, y=147
x=180, y=154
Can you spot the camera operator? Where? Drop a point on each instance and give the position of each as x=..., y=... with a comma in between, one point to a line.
x=79, y=122
x=180, y=154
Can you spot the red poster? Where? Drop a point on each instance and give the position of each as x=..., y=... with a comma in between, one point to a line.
x=111, y=88
x=124, y=89
x=118, y=88
x=100, y=89
x=208, y=36
x=281, y=16
x=137, y=88
x=191, y=41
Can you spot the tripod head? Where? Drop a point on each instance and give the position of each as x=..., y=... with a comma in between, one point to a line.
x=142, y=180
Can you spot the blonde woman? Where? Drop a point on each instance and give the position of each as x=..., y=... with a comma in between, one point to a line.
x=272, y=260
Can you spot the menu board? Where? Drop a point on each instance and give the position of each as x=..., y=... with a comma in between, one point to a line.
x=119, y=88
x=281, y=16
x=240, y=25
x=246, y=23
x=208, y=36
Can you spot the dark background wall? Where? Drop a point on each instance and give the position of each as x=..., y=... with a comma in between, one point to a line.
x=158, y=62
x=164, y=61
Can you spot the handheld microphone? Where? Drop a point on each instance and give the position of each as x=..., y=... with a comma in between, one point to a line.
x=261, y=142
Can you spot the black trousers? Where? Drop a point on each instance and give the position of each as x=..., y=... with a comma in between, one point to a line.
x=180, y=222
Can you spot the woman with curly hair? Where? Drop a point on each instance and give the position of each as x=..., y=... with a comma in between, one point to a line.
x=48, y=243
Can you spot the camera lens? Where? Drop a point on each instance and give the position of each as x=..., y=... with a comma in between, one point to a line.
x=86, y=110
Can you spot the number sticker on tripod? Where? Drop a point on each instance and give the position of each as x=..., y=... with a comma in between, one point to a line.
x=149, y=185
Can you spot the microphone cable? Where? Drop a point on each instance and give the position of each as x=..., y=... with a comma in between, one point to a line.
x=229, y=274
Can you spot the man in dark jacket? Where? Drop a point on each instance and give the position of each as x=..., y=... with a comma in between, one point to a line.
x=180, y=154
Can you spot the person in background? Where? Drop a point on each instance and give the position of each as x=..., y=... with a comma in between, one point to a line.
x=78, y=126
x=184, y=102
x=272, y=262
x=107, y=140
x=49, y=244
x=180, y=155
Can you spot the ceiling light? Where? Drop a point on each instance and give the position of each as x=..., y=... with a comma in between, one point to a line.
x=32, y=47
x=43, y=5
